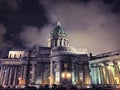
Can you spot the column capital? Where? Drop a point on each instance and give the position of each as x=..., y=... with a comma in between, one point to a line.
x=108, y=63
x=100, y=64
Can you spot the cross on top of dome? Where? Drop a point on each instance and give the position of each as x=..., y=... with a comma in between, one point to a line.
x=58, y=23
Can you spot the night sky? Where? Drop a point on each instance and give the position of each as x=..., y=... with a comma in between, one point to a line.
x=90, y=24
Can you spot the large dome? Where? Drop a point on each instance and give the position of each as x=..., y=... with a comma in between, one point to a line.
x=58, y=30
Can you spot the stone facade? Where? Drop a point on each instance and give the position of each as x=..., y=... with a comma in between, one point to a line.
x=59, y=63
x=56, y=64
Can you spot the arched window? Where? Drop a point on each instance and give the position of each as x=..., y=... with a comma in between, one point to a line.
x=60, y=42
x=15, y=56
x=55, y=42
x=10, y=55
x=20, y=55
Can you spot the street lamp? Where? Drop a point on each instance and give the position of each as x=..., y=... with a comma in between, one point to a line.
x=66, y=75
x=21, y=81
x=116, y=81
x=50, y=80
x=108, y=67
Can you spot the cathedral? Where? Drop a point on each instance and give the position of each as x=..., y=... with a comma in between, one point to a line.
x=60, y=64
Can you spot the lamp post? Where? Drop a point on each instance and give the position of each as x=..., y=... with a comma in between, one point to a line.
x=21, y=81
x=66, y=76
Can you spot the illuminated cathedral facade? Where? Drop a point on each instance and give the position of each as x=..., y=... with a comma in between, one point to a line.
x=60, y=64
x=56, y=64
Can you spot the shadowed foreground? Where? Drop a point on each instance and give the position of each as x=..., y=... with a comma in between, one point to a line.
x=34, y=88
x=61, y=89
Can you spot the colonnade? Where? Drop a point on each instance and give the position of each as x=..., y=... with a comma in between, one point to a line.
x=15, y=74
x=11, y=74
x=102, y=73
x=60, y=42
x=74, y=69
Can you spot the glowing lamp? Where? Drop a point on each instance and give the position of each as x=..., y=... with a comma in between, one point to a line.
x=66, y=75
x=108, y=67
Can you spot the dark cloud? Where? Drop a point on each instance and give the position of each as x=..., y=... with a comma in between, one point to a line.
x=95, y=23
x=35, y=36
x=115, y=6
x=3, y=44
x=14, y=14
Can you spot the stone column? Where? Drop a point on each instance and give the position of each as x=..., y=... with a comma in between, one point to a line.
x=98, y=75
x=1, y=71
x=5, y=81
x=22, y=71
x=10, y=76
x=25, y=70
x=92, y=74
x=4, y=76
x=76, y=73
x=15, y=75
x=34, y=73
x=59, y=74
x=73, y=73
x=106, y=74
x=86, y=74
x=51, y=72
x=101, y=75
x=109, y=74
x=95, y=75
x=117, y=74
x=1, y=74
x=111, y=77
x=67, y=42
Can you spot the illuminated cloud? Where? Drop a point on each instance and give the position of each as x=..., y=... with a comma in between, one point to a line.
x=35, y=36
x=91, y=25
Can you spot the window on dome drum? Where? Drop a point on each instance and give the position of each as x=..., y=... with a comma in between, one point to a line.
x=15, y=56
x=55, y=42
x=60, y=42
x=20, y=55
